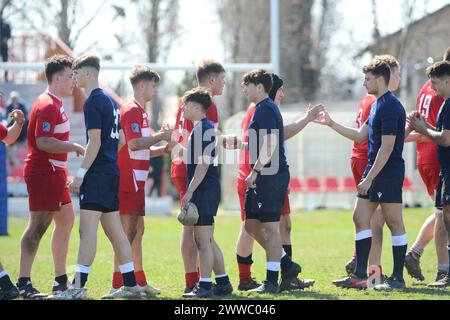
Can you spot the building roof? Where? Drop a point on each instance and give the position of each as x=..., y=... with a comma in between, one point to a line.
x=426, y=19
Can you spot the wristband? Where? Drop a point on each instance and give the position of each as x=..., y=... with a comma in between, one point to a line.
x=257, y=172
x=81, y=173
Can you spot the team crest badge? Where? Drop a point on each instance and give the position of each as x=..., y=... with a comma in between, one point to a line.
x=46, y=127
x=135, y=127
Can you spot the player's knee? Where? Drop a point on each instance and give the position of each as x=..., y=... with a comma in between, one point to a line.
x=396, y=226
x=131, y=234
x=377, y=231
x=286, y=229
x=32, y=238
x=202, y=244
x=85, y=234
x=358, y=222
x=140, y=230
x=249, y=229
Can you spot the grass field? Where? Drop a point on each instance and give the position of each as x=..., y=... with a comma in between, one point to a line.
x=322, y=243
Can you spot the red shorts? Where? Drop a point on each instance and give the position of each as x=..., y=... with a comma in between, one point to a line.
x=358, y=167
x=242, y=187
x=430, y=176
x=132, y=203
x=180, y=185
x=47, y=192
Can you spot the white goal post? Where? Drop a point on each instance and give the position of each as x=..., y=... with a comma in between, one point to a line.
x=273, y=65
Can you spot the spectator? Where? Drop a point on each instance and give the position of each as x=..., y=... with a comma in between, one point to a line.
x=13, y=154
x=15, y=104
x=5, y=35
x=2, y=110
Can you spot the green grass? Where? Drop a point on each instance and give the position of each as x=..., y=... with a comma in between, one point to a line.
x=322, y=242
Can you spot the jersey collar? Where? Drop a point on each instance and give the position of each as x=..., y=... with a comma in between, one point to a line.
x=53, y=95
x=138, y=104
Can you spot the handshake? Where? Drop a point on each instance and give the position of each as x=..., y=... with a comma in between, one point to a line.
x=417, y=122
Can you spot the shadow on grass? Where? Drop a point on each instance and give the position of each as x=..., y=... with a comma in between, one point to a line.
x=427, y=291
x=283, y=296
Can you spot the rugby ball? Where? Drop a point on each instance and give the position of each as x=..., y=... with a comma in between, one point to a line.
x=188, y=216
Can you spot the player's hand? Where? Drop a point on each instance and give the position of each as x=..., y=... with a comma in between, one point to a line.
x=167, y=132
x=324, y=118
x=169, y=146
x=185, y=201
x=79, y=150
x=419, y=124
x=74, y=185
x=313, y=113
x=231, y=142
x=410, y=118
x=364, y=186
x=250, y=180
x=18, y=117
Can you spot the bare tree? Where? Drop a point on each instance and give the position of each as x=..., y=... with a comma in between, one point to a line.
x=159, y=19
x=246, y=36
x=66, y=16
x=376, y=34
x=304, y=41
x=3, y=5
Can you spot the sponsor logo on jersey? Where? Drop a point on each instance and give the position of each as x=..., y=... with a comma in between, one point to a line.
x=46, y=126
x=135, y=127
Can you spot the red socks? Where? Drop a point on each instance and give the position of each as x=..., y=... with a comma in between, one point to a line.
x=140, y=278
x=191, y=278
x=245, y=273
x=117, y=281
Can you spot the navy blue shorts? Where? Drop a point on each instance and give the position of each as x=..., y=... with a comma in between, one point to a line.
x=443, y=189
x=383, y=190
x=264, y=203
x=100, y=192
x=207, y=199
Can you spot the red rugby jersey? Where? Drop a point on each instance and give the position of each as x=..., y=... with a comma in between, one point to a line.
x=244, y=156
x=428, y=104
x=182, y=129
x=360, y=149
x=47, y=119
x=3, y=132
x=134, y=165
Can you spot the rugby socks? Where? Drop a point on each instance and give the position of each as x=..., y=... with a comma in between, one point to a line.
x=117, y=281
x=205, y=283
x=23, y=281
x=286, y=261
x=417, y=250
x=141, y=279
x=5, y=281
x=441, y=267
x=399, y=247
x=61, y=280
x=81, y=276
x=191, y=279
x=288, y=249
x=222, y=279
x=127, y=270
x=273, y=269
x=245, y=266
x=363, y=242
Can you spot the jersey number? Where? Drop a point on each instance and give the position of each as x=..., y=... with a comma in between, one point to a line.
x=115, y=129
x=359, y=119
x=424, y=105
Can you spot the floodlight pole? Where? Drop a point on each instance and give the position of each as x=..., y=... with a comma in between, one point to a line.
x=275, y=35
